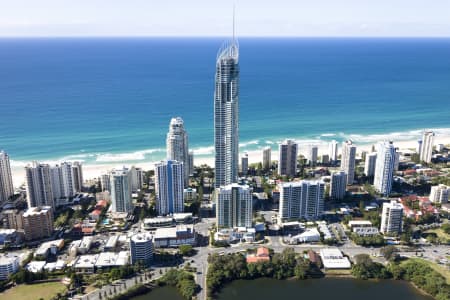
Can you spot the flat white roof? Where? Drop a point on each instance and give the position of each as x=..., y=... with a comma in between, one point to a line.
x=86, y=261
x=8, y=258
x=35, y=266
x=171, y=232
x=359, y=222
x=333, y=258
x=106, y=259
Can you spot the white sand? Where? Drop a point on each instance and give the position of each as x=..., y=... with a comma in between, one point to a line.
x=91, y=171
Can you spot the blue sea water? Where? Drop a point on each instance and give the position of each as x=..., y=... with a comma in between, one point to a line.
x=111, y=100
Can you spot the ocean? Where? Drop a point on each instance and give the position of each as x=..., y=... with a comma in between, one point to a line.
x=109, y=101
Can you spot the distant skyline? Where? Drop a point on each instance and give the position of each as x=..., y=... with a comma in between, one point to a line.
x=207, y=18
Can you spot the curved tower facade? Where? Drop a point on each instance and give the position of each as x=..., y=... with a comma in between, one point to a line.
x=177, y=145
x=226, y=115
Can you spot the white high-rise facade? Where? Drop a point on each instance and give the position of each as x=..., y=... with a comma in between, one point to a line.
x=141, y=248
x=244, y=164
x=137, y=178
x=338, y=185
x=384, y=168
x=301, y=200
x=312, y=155
x=348, y=161
x=369, y=164
x=62, y=180
x=287, y=161
x=267, y=158
x=120, y=184
x=234, y=206
x=177, y=145
x=439, y=193
x=333, y=150
x=169, y=185
x=39, y=185
x=226, y=115
x=426, y=151
x=6, y=184
x=391, y=218
x=105, y=182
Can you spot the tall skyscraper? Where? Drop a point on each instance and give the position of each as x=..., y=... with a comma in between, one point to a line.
x=137, y=178
x=312, y=155
x=384, y=168
x=141, y=248
x=391, y=217
x=287, y=162
x=426, y=150
x=301, y=200
x=177, y=145
x=244, y=164
x=105, y=182
x=6, y=184
x=226, y=115
x=333, y=151
x=62, y=181
x=39, y=185
x=267, y=158
x=369, y=164
x=77, y=170
x=120, y=184
x=338, y=185
x=169, y=186
x=348, y=160
x=234, y=206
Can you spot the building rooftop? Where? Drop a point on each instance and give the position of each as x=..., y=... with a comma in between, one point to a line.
x=333, y=258
x=86, y=261
x=34, y=211
x=141, y=237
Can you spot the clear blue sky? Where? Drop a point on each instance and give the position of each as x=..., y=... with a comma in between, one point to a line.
x=369, y=18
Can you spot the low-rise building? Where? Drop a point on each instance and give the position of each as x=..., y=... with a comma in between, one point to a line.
x=308, y=236
x=332, y=258
x=85, y=245
x=35, y=266
x=49, y=248
x=262, y=255
x=9, y=264
x=359, y=223
x=86, y=263
x=190, y=194
x=111, y=243
x=366, y=231
x=108, y=260
x=174, y=236
x=10, y=237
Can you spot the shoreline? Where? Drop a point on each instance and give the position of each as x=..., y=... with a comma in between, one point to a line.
x=92, y=170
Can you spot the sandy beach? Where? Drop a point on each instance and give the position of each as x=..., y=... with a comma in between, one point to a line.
x=91, y=171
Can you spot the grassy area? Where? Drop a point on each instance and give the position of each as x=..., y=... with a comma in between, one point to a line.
x=442, y=236
x=45, y=291
x=441, y=269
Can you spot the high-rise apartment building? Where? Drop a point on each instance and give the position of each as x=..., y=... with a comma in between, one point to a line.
x=141, y=248
x=391, y=218
x=39, y=185
x=244, y=164
x=301, y=200
x=191, y=163
x=137, y=178
x=77, y=171
x=226, y=115
x=234, y=206
x=369, y=164
x=37, y=222
x=348, y=161
x=177, y=145
x=338, y=185
x=312, y=155
x=267, y=158
x=120, y=185
x=384, y=168
x=169, y=185
x=105, y=182
x=6, y=184
x=426, y=151
x=439, y=193
x=333, y=151
x=287, y=162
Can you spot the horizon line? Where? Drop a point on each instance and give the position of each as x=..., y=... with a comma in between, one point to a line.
x=222, y=36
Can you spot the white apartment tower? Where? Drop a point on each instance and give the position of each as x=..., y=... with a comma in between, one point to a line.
x=301, y=200
x=141, y=248
x=426, y=150
x=6, y=184
x=439, y=193
x=177, y=145
x=333, y=150
x=369, y=164
x=226, y=115
x=234, y=206
x=267, y=158
x=120, y=184
x=384, y=168
x=169, y=185
x=338, y=185
x=39, y=185
x=348, y=160
x=105, y=182
x=137, y=178
x=287, y=162
x=77, y=170
x=391, y=218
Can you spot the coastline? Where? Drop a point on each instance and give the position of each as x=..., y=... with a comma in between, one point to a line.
x=92, y=170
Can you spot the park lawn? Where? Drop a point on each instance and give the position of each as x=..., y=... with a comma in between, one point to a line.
x=438, y=268
x=442, y=236
x=45, y=291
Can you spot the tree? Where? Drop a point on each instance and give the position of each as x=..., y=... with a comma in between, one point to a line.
x=186, y=250
x=389, y=253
